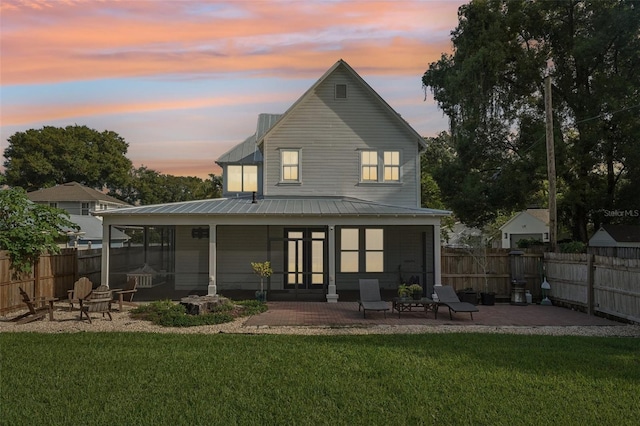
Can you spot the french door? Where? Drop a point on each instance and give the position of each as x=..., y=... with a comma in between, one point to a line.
x=306, y=258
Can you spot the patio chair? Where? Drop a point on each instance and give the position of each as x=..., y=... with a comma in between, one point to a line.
x=370, y=297
x=448, y=297
x=32, y=314
x=125, y=295
x=81, y=290
x=99, y=300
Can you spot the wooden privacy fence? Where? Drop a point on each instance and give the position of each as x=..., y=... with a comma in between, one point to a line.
x=51, y=276
x=489, y=271
x=608, y=285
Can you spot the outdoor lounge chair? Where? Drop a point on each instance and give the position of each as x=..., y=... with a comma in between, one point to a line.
x=125, y=296
x=448, y=297
x=81, y=290
x=370, y=297
x=33, y=313
x=99, y=300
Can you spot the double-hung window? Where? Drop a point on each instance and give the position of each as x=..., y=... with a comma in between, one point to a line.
x=369, y=166
x=379, y=166
x=392, y=166
x=242, y=178
x=290, y=160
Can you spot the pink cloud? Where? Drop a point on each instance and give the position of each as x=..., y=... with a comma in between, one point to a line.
x=79, y=41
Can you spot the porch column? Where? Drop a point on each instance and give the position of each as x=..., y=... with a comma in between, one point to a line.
x=332, y=296
x=437, y=261
x=106, y=245
x=213, y=288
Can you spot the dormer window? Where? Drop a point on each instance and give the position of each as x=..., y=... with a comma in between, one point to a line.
x=341, y=91
x=242, y=178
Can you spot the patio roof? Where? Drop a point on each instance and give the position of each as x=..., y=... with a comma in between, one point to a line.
x=312, y=206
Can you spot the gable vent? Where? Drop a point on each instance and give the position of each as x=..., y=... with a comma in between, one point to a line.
x=341, y=91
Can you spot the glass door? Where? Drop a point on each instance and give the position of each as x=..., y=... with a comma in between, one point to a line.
x=305, y=251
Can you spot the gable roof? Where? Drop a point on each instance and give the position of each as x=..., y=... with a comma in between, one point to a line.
x=276, y=206
x=622, y=233
x=71, y=191
x=342, y=64
x=540, y=214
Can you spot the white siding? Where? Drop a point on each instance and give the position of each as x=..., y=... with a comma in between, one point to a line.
x=330, y=134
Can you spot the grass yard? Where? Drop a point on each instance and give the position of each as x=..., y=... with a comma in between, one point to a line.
x=441, y=379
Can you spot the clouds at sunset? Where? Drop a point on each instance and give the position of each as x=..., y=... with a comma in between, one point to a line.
x=62, y=61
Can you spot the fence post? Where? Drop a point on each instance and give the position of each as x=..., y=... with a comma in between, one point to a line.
x=590, y=274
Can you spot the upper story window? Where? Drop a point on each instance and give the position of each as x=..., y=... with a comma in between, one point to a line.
x=369, y=166
x=243, y=178
x=290, y=160
x=85, y=209
x=392, y=166
x=341, y=91
x=379, y=166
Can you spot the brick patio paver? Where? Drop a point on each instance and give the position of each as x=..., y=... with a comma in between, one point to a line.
x=343, y=314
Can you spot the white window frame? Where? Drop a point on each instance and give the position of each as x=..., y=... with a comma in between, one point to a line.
x=366, y=157
x=381, y=167
x=391, y=165
x=292, y=165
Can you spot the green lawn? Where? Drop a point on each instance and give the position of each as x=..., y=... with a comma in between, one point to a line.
x=442, y=379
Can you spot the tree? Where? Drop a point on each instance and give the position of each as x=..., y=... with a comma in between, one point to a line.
x=45, y=157
x=147, y=186
x=491, y=88
x=28, y=229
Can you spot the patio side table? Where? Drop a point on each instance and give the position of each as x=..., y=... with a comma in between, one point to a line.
x=406, y=304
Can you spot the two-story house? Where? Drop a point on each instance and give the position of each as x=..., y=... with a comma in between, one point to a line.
x=329, y=192
x=79, y=201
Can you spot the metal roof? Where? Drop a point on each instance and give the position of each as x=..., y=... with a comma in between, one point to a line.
x=243, y=153
x=312, y=206
x=247, y=152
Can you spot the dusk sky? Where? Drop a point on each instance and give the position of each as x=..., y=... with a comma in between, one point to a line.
x=183, y=81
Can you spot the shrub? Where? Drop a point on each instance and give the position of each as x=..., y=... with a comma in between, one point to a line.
x=169, y=314
x=573, y=247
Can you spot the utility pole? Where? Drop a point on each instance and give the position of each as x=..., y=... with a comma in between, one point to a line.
x=551, y=164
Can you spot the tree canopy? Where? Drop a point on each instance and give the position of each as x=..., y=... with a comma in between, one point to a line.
x=146, y=186
x=491, y=88
x=53, y=155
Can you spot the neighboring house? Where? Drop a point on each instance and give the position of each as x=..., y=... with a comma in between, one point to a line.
x=79, y=201
x=90, y=234
x=329, y=192
x=616, y=240
x=461, y=235
x=526, y=225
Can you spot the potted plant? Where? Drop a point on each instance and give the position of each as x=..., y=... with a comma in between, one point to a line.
x=468, y=295
x=263, y=270
x=403, y=291
x=416, y=291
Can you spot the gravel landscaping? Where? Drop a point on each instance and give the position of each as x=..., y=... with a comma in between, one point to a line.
x=68, y=322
